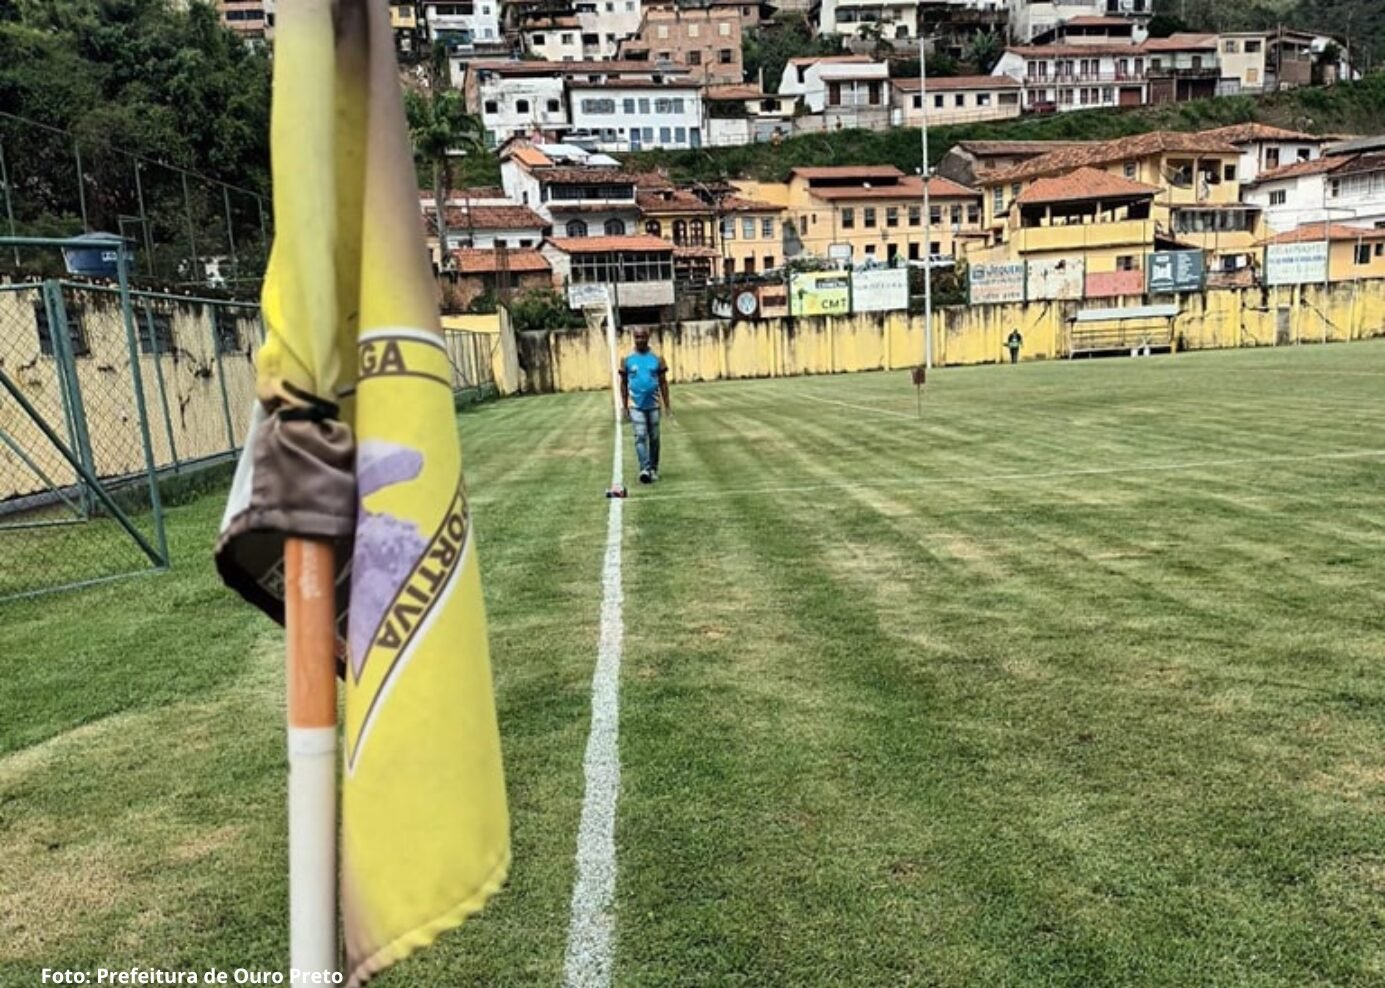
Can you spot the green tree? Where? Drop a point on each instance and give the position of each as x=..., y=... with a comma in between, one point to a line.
x=984, y=51
x=788, y=35
x=110, y=79
x=440, y=127
x=542, y=308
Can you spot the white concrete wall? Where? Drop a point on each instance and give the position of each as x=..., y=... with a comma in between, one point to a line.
x=486, y=239
x=909, y=109
x=639, y=107
x=483, y=22
x=612, y=21
x=511, y=106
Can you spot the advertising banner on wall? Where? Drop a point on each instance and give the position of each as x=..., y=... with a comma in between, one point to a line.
x=1175, y=271
x=1112, y=284
x=880, y=290
x=1055, y=279
x=993, y=284
x=1296, y=264
x=820, y=293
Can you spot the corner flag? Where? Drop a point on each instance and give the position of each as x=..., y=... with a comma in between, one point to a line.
x=354, y=450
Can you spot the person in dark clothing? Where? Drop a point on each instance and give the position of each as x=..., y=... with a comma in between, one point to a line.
x=1014, y=342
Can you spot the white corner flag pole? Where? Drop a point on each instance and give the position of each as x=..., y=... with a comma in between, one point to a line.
x=615, y=357
x=310, y=625
x=927, y=206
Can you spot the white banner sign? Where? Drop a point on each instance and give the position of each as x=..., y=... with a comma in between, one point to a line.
x=586, y=295
x=1061, y=278
x=880, y=290
x=1296, y=264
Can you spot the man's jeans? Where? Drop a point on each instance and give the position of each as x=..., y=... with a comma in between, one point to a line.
x=646, y=437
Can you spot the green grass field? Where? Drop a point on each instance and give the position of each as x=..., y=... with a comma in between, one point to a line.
x=1076, y=681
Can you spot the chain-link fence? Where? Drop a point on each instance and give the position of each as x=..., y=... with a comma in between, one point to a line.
x=470, y=353
x=104, y=392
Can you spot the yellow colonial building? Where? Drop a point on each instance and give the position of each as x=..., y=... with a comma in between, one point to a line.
x=870, y=213
x=1354, y=253
x=1194, y=185
x=715, y=234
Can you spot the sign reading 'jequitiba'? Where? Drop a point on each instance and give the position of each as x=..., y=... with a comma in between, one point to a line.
x=992, y=284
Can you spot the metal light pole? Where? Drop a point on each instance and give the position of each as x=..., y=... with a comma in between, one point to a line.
x=927, y=222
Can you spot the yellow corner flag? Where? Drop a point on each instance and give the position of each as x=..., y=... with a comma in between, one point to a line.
x=354, y=442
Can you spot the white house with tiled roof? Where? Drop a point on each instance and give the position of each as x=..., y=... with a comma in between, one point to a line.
x=954, y=99
x=1265, y=148
x=1339, y=188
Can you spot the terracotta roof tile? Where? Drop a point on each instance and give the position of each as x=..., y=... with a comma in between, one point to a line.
x=531, y=156
x=591, y=175
x=1105, y=152
x=1078, y=50
x=471, y=261
x=1182, y=42
x=1362, y=163
x=911, y=83
x=1089, y=20
x=1245, y=133
x=1321, y=166
x=1013, y=148
x=600, y=245
x=737, y=204
x=738, y=92
x=671, y=201
x=1337, y=231
x=1083, y=184
x=909, y=187
x=535, y=67
x=492, y=218
x=813, y=59
x=848, y=171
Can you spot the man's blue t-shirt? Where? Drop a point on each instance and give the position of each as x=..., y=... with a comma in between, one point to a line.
x=642, y=371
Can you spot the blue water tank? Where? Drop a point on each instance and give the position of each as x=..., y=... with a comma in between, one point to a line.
x=98, y=260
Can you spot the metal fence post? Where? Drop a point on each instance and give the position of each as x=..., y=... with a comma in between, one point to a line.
x=61, y=336
x=128, y=315
x=221, y=377
x=159, y=377
x=9, y=204
x=81, y=185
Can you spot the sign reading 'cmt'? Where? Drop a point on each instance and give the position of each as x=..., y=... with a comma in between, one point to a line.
x=820, y=293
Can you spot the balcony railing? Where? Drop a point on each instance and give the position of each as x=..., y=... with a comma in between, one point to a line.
x=1081, y=236
x=1077, y=78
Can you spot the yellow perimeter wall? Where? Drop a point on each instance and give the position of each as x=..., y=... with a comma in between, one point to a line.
x=186, y=381
x=708, y=351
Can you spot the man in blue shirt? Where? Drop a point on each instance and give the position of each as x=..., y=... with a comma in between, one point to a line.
x=644, y=380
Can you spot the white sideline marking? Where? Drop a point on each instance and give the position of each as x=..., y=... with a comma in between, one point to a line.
x=591, y=931
x=1359, y=454
x=863, y=408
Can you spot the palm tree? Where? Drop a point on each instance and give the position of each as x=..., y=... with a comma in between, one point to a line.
x=440, y=127
x=984, y=51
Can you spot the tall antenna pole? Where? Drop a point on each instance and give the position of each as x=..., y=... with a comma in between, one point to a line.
x=927, y=222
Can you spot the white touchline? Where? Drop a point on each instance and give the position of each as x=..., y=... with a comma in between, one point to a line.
x=591, y=931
